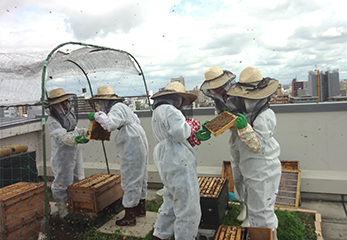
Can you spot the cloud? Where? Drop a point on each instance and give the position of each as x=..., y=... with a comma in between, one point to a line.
x=173, y=38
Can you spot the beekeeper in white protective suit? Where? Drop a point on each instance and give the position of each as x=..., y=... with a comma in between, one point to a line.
x=216, y=85
x=66, y=155
x=132, y=147
x=175, y=159
x=255, y=152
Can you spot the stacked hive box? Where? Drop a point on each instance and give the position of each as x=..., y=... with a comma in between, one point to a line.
x=91, y=195
x=241, y=233
x=289, y=190
x=21, y=210
x=214, y=198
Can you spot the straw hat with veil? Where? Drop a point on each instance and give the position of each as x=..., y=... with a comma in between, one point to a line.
x=255, y=91
x=216, y=85
x=252, y=85
x=105, y=98
x=58, y=95
x=215, y=77
x=61, y=109
x=175, y=94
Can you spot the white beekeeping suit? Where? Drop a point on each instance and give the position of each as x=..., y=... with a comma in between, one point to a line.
x=66, y=154
x=253, y=169
x=256, y=149
x=216, y=85
x=132, y=147
x=175, y=159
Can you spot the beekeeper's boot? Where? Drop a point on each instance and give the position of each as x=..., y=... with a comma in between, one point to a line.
x=243, y=212
x=246, y=223
x=129, y=218
x=141, y=208
x=62, y=209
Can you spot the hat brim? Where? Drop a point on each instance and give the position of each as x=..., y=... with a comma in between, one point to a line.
x=60, y=99
x=106, y=97
x=240, y=91
x=216, y=83
x=188, y=97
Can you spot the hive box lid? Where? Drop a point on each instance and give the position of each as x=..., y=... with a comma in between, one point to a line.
x=95, y=181
x=18, y=191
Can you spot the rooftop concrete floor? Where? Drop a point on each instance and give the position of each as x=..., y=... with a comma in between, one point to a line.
x=333, y=214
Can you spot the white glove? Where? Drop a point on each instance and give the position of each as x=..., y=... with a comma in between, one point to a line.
x=102, y=119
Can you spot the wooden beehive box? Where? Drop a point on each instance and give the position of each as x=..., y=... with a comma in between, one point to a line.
x=91, y=195
x=239, y=233
x=96, y=132
x=289, y=189
x=222, y=122
x=21, y=210
x=214, y=199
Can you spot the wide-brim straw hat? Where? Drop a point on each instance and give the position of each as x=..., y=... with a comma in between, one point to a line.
x=177, y=88
x=106, y=93
x=215, y=77
x=252, y=85
x=58, y=95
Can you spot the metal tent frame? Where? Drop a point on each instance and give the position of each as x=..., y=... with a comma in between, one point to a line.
x=44, y=103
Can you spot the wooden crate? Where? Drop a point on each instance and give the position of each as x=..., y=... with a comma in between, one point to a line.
x=289, y=189
x=234, y=233
x=317, y=219
x=28, y=231
x=21, y=210
x=219, y=123
x=91, y=195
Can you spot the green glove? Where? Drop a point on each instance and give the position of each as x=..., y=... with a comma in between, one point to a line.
x=80, y=139
x=203, y=134
x=91, y=116
x=241, y=121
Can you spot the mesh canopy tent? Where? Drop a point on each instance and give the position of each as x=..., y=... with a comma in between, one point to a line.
x=25, y=79
x=20, y=78
x=21, y=75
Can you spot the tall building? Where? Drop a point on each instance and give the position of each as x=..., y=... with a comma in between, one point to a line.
x=179, y=79
x=295, y=86
x=329, y=84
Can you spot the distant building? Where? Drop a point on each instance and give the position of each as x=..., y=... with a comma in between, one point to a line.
x=179, y=79
x=200, y=96
x=84, y=93
x=329, y=84
x=295, y=86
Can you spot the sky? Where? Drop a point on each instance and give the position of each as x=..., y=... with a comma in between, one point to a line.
x=284, y=39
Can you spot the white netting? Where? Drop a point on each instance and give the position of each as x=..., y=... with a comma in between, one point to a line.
x=21, y=73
